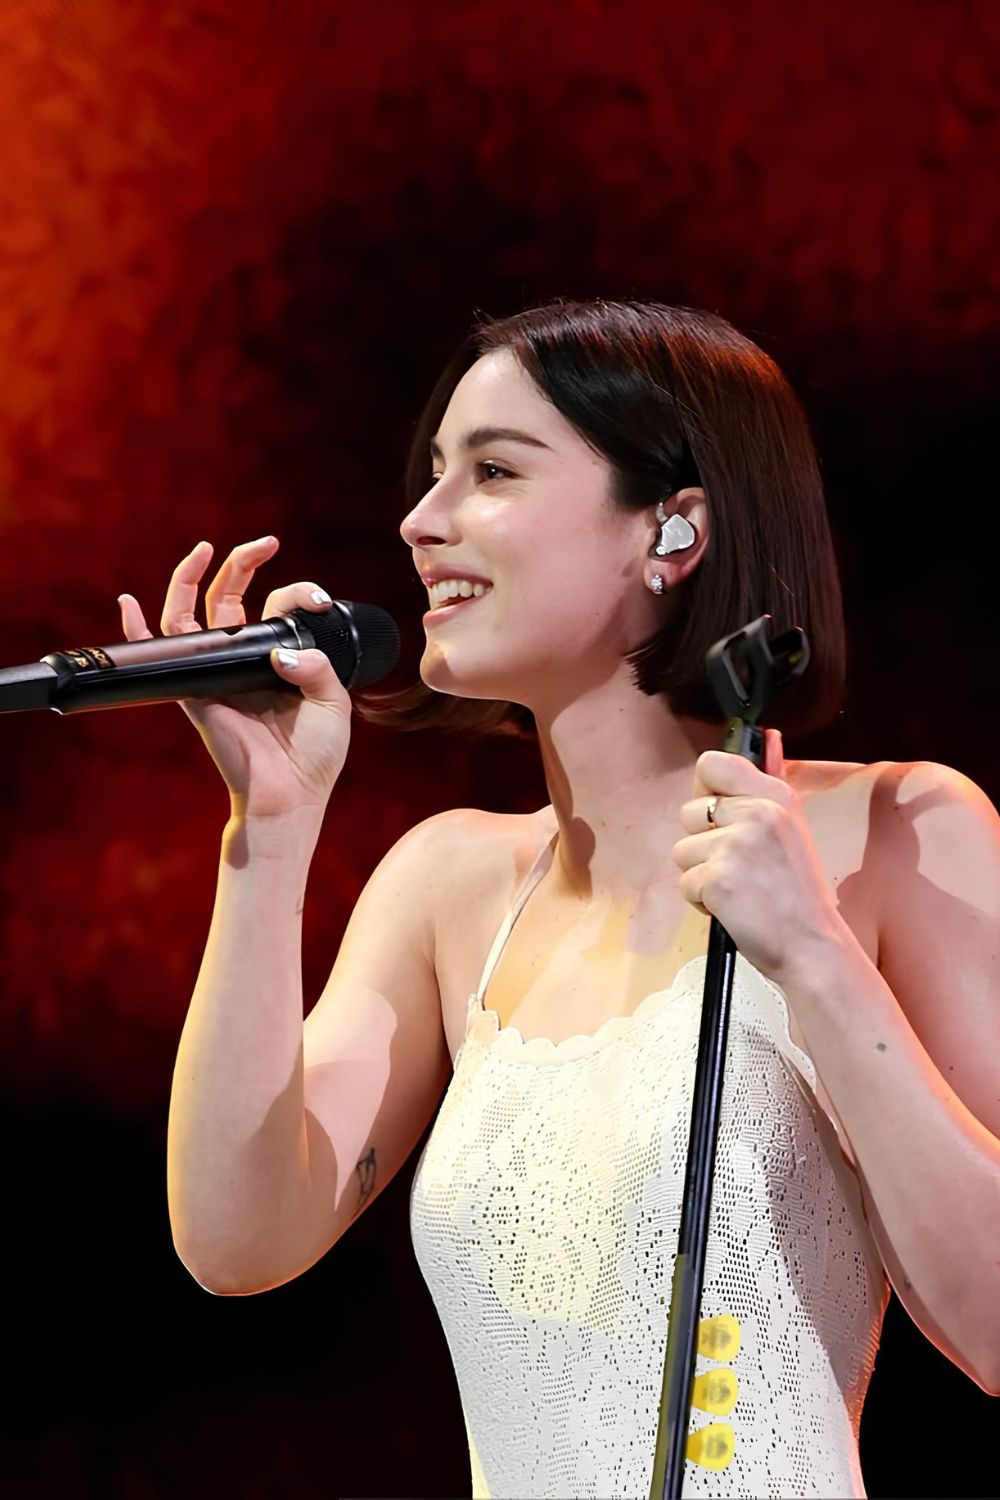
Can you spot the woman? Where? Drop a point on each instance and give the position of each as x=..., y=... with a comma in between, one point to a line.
x=628, y=482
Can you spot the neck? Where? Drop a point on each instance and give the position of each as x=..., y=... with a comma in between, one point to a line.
x=618, y=766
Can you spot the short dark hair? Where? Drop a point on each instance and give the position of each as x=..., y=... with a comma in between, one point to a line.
x=671, y=397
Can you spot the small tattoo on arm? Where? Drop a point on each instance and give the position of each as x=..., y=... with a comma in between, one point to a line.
x=880, y=1046
x=366, y=1176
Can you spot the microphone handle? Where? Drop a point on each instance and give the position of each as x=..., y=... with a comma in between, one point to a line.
x=217, y=664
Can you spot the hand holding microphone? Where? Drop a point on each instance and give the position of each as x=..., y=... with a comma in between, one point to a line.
x=277, y=752
x=279, y=732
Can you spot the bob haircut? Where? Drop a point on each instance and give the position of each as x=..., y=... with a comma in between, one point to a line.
x=670, y=397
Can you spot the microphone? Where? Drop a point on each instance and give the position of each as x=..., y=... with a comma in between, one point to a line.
x=360, y=640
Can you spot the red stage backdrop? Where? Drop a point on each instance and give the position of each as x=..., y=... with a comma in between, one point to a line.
x=236, y=243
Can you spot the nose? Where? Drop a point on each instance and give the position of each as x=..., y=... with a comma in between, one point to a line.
x=414, y=537
x=412, y=528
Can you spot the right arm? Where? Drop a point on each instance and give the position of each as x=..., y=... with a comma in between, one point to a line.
x=281, y=1133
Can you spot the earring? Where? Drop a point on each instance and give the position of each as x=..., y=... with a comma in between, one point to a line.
x=675, y=534
x=657, y=583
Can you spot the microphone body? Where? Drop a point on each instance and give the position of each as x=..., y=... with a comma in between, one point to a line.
x=360, y=640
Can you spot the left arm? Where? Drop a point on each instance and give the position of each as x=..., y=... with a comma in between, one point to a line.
x=908, y=1052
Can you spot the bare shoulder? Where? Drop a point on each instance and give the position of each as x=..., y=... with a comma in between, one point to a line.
x=838, y=799
x=886, y=828
x=931, y=820
x=836, y=793
x=887, y=796
x=883, y=778
x=487, y=853
x=481, y=859
x=816, y=777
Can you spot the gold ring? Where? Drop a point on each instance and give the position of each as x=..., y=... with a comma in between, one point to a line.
x=710, y=812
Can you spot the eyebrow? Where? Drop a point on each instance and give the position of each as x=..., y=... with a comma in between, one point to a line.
x=482, y=435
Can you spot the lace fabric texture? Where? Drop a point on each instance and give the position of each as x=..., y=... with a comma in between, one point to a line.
x=545, y=1211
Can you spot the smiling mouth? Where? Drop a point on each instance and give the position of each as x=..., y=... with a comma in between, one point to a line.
x=455, y=604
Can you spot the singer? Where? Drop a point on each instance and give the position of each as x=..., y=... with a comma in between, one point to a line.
x=598, y=492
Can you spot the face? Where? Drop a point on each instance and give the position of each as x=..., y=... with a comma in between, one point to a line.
x=568, y=594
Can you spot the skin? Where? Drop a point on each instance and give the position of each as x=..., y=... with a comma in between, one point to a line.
x=571, y=593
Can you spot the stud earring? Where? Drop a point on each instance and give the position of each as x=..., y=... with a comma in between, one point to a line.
x=657, y=583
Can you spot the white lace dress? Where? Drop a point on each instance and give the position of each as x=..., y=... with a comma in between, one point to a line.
x=545, y=1212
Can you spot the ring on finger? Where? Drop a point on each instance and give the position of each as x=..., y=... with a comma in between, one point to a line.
x=713, y=803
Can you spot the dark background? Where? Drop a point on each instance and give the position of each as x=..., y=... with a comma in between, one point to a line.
x=237, y=241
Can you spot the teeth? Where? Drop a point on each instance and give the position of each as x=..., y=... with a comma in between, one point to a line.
x=456, y=588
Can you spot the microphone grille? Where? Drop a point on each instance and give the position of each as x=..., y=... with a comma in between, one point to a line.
x=361, y=640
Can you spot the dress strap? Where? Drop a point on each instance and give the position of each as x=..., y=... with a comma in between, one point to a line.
x=534, y=875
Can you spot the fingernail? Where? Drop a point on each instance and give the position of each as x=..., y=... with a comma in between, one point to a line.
x=320, y=596
x=288, y=658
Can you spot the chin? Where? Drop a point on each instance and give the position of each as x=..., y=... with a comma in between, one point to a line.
x=436, y=673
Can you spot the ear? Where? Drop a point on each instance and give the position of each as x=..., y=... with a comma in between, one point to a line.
x=690, y=503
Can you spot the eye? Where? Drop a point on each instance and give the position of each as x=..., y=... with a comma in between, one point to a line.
x=435, y=478
x=487, y=465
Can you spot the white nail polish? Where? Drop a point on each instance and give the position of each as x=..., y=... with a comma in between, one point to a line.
x=320, y=596
x=288, y=658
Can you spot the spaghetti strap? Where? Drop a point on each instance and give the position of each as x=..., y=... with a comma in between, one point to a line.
x=534, y=875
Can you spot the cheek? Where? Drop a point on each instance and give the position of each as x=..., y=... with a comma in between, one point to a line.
x=565, y=574
x=565, y=612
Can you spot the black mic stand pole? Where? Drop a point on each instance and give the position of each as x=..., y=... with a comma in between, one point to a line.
x=767, y=667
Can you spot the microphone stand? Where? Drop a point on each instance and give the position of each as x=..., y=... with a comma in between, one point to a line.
x=767, y=667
